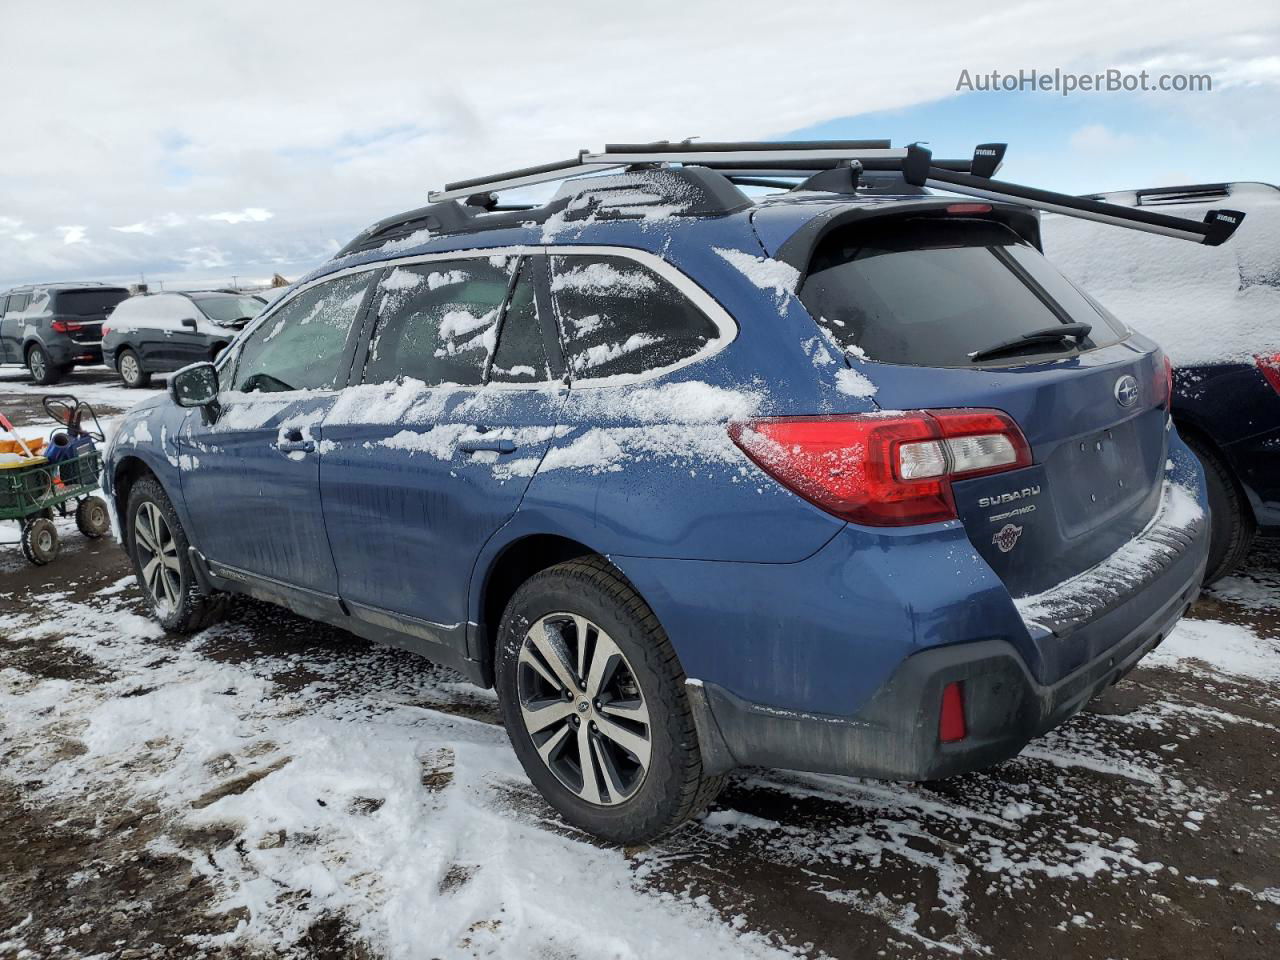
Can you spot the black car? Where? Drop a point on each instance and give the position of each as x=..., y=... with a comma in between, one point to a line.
x=161, y=332
x=1218, y=317
x=52, y=327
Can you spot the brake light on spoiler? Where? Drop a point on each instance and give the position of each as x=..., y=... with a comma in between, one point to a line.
x=1270, y=369
x=885, y=470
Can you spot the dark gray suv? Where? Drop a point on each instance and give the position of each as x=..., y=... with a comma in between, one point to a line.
x=161, y=332
x=52, y=327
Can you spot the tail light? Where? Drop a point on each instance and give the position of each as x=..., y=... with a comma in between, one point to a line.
x=65, y=326
x=1270, y=367
x=883, y=470
x=951, y=725
x=105, y=329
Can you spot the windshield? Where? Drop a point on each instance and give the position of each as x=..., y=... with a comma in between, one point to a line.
x=227, y=309
x=87, y=302
x=933, y=291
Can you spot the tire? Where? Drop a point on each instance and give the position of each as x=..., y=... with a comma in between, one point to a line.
x=640, y=675
x=40, y=367
x=177, y=600
x=130, y=369
x=1232, y=524
x=40, y=543
x=92, y=518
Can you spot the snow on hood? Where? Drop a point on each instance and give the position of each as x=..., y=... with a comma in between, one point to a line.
x=1201, y=304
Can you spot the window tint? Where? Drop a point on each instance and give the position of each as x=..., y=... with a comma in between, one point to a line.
x=619, y=317
x=18, y=302
x=299, y=346
x=437, y=321
x=929, y=291
x=521, y=356
x=87, y=302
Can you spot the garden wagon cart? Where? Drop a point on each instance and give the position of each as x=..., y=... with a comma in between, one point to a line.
x=33, y=488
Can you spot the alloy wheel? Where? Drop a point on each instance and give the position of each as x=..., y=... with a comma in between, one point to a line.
x=158, y=558
x=35, y=363
x=583, y=709
x=129, y=368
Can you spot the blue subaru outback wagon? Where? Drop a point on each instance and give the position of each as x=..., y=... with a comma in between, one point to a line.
x=841, y=476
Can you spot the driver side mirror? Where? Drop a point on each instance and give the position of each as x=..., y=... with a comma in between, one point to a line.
x=196, y=386
x=188, y=322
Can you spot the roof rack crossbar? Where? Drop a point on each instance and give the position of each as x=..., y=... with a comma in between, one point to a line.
x=746, y=146
x=1217, y=227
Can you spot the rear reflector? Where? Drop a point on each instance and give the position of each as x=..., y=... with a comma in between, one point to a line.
x=883, y=470
x=951, y=728
x=1270, y=367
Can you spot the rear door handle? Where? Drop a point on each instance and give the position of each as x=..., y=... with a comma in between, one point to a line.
x=497, y=445
x=292, y=441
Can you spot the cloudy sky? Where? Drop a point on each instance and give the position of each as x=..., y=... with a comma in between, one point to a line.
x=193, y=142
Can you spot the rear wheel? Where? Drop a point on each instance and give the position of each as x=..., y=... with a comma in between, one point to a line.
x=40, y=367
x=40, y=542
x=131, y=371
x=158, y=548
x=593, y=700
x=1233, y=527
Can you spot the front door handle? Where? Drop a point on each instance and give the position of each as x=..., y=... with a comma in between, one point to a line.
x=497, y=445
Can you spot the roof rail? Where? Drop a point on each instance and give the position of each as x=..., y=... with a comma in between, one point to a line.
x=1216, y=228
x=788, y=158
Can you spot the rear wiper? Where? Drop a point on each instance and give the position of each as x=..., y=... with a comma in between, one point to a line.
x=1065, y=331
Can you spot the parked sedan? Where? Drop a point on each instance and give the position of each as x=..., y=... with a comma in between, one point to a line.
x=158, y=333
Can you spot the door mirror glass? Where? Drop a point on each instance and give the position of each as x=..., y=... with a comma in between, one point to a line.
x=195, y=386
x=189, y=322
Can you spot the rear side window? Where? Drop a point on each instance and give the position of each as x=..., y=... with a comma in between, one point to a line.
x=87, y=302
x=437, y=322
x=931, y=291
x=619, y=318
x=301, y=345
x=521, y=356
x=18, y=302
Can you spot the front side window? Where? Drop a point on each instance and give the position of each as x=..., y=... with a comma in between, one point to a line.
x=437, y=321
x=929, y=291
x=226, y=310
x=619, y=318
x=301, y=345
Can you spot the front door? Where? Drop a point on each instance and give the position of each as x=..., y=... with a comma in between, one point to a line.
x=251, y=478
x=432, y=454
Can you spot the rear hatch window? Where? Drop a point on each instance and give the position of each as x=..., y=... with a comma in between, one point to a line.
x=87, y=303
x=931, y=291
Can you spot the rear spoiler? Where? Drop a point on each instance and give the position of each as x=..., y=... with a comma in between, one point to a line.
x=918, y=169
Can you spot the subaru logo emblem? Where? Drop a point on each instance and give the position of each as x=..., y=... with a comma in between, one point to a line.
x=1126, y=391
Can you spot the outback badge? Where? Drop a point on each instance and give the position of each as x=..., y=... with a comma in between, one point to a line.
x=1006, y=538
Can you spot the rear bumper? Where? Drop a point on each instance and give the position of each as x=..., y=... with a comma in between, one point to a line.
x=895, y=734
x=69, y=353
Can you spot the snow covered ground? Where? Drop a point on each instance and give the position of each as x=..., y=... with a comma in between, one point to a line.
x=274, y=787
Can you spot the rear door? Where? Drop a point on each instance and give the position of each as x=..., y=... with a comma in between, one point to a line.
x=425, y=460
x=11, y=326
x=251, y=478
x=911, y=301
x=6, y=350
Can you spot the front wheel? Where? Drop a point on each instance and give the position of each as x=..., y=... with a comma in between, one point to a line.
x=92, y=518
x=40, y=541
x=158, y=548
x=1231, y=521
x=593, y=700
